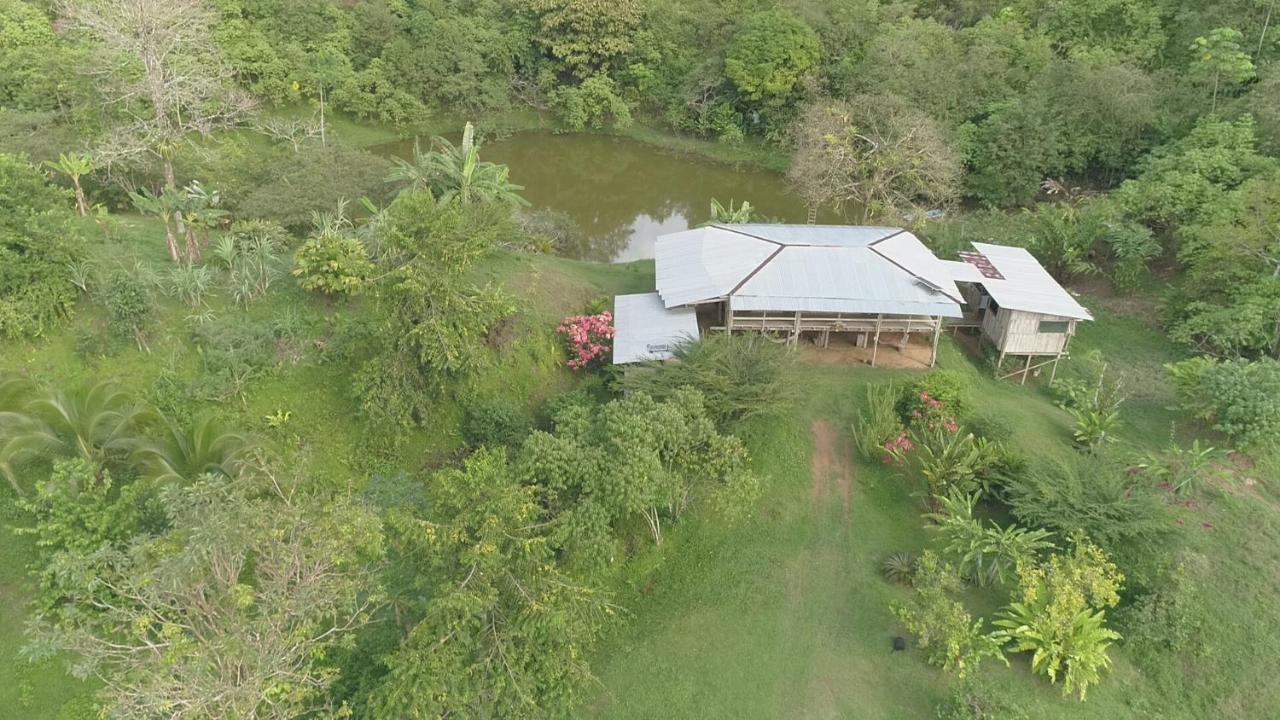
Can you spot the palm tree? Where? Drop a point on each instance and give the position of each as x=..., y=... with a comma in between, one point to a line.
x=90, y=422
x=455, y=172
x=19, y=439
x=186, y=454
x=74, y=166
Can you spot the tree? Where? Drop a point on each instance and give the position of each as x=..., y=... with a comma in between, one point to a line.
x=1127, y=28
x=1059, y=615
x=432, y=319
x=632, y=460
x=1219, y=57
x=455, y=173
x=162, y=54
x=1229, y=301
x=875, y=153
x=74, y=166
x=499, y=629
x=164, y=205
x=769, y=59
x=229, y=613
x=586, y=35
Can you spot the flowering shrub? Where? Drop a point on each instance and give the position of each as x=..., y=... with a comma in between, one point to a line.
x=589, y=337
x=938, y=452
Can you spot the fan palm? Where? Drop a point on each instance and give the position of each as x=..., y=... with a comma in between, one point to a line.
x=90, y=422
x=185, y=454
x=455, y=172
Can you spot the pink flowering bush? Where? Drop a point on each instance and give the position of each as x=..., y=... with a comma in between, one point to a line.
x=590, y=338
x=933, y=448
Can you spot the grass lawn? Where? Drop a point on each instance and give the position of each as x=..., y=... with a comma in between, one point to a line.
x=788, y=616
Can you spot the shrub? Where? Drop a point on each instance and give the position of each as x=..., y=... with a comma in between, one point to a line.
x=589, y=338
x=1240, y=398
x=495, y=421
x=38, y=244
x=1058, y=614
x=741, y=376
x=1093, y=494
x=898, y=567
x=234, y=352
x=953, y=639
x=945, y=386
x=877, y=421
x=129, y=299
x=332, y=265
x=291, y=186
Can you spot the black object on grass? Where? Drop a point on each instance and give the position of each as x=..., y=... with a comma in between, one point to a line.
x=899, y=643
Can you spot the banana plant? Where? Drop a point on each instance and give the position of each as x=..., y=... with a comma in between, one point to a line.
x=74, y=166
x=165, y=205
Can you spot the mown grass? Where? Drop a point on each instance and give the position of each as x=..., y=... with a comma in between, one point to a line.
x=787, y=615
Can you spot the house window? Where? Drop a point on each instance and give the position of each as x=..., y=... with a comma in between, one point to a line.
x=1054, y=327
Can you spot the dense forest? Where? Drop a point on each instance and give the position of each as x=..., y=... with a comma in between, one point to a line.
x=294, y=427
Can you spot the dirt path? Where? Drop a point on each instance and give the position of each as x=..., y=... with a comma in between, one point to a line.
x=829, y=467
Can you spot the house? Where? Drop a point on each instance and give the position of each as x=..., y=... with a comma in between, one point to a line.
x=870, y=286
x=1021, y=309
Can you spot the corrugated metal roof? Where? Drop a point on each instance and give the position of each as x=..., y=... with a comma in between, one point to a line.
x=1027, y=285
x=645, y=330
x=906, y=251
x=705, y=263
x=838, y=235
x=820, y=268
x=963, y=271
x=839, y=279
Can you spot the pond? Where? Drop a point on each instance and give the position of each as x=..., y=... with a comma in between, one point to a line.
x=619, y=195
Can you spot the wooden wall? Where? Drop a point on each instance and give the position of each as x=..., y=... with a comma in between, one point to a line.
x=1016, y=332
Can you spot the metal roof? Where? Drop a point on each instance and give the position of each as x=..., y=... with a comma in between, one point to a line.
x=813, y=268
x=1026, y=285
x=645, y=330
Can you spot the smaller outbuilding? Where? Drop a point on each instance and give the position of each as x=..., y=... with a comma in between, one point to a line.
x=644, y=329
x=1021, y=310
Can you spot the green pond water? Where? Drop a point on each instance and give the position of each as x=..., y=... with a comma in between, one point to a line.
x=621, y=194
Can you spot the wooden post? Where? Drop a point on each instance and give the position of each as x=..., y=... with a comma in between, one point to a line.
x=795, y=331
x=826, y=338
x=728, y=315
x=937, y=331
x=875, y=342
x=1054, y=372
x=1026, y=371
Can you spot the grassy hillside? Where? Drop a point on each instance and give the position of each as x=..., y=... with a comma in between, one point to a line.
x=785, y=615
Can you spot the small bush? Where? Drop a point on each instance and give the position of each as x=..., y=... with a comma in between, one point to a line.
x=129, y=299
x=495, y=421
x=898, y=567
x=1240, y=398
x=877, y=421
x=332, y=265
x=946, y=386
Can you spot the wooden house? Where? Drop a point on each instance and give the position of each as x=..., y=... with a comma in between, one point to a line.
x=873, y=285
